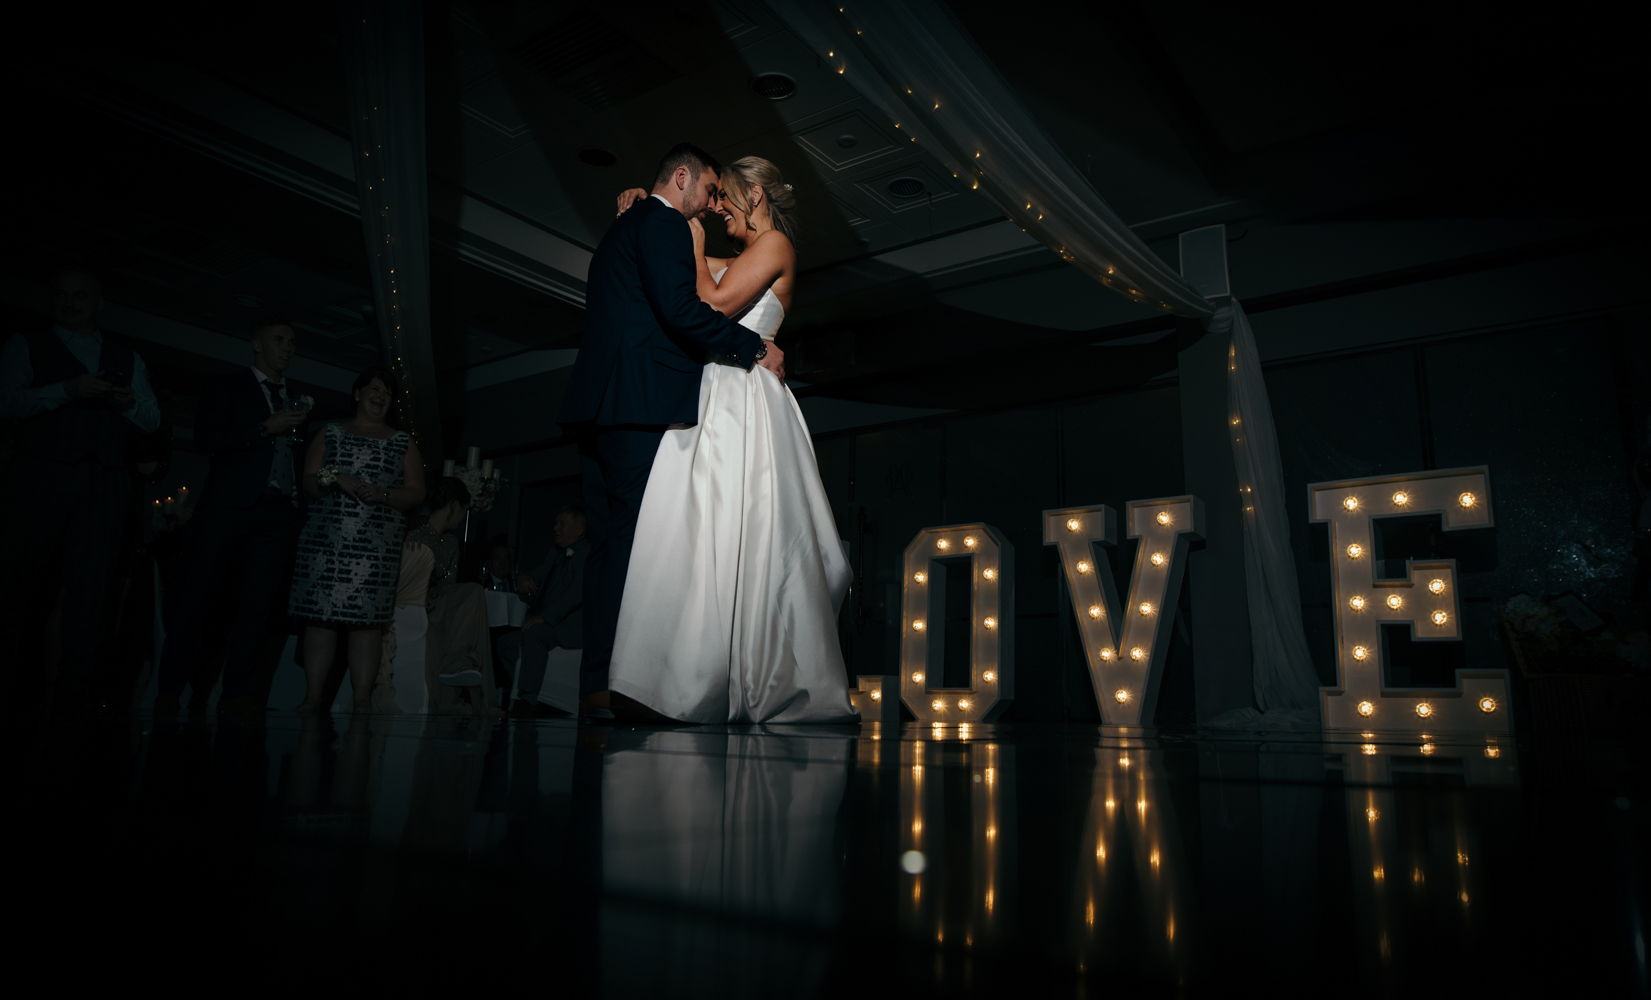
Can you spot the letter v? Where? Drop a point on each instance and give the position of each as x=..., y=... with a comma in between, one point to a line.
x=1126, y=647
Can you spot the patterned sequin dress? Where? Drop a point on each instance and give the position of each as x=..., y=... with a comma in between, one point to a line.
x=349, y=553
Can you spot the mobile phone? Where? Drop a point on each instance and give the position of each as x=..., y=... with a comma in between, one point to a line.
x=119, y=380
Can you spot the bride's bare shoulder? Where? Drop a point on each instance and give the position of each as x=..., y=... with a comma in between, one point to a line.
x=773, y=245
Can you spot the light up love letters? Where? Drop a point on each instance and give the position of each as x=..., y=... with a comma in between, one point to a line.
x=991, y=624
x=1126, y=647
x=1426, y=598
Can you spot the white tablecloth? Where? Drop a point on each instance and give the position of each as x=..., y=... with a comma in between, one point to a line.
x=505, y=609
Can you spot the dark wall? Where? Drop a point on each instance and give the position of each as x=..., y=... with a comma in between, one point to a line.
x=1557, y=412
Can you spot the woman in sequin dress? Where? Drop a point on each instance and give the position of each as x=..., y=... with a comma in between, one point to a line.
x=349, y=554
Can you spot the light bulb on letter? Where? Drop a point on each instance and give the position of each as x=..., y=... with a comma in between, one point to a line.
x=1440, y=618
x=1146, y=609
x=990, y=623
x=1366, y=709
x=1121, y=695
x=1137, y=653
x=942, y=544
x=990, y=574
x=1401, y=498
x=1351, y=503
x=1359, y=653
x=1467, y=500
x=1157, y=559
x=1073, y=524
x=937, y=704
x=1356, y=603
x=989, y=676
x=920, y=577
x=1163, y=517
x=1395, y=602
x=917, y=678
x=969, y=541
x=1437, y=586
x=1487, y=705
x=917, y=626
x=1424, y=710
x=1083, y=567
x=1095, y=611
x=963, y=703
x=1106, y=654
x=1355, y=550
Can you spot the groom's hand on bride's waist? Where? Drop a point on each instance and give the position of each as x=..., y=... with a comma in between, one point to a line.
x=774, y=360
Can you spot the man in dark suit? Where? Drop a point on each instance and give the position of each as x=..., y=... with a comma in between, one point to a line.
x=639, y=368
x=556, y=591
x=248, y=509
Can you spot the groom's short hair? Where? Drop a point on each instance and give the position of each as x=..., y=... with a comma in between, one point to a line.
x=686, y=154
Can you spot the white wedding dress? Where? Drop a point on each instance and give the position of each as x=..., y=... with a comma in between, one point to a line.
x=737, y=574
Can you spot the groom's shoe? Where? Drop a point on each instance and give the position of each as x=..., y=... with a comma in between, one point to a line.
x=595, y=706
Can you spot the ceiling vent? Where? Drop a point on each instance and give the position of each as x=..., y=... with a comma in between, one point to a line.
x=774, y=86
x=597, y=157
x=583, y=56
x=906, y=187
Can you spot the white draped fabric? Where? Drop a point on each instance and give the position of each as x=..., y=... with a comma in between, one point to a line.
x=1284, y=673
x=914, y=61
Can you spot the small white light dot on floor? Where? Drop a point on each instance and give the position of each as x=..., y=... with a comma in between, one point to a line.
x=913, y=862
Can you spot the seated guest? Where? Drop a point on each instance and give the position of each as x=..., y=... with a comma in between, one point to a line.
x=76, y=392
x=496, y=573
x=556, y=590
x=247, y=516
x=457, y=649
x=360, y=474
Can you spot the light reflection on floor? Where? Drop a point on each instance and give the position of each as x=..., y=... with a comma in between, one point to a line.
x=750, y=860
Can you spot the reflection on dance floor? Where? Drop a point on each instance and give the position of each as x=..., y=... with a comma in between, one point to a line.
x=749, y=860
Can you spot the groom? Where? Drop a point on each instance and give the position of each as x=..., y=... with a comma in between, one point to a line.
x=638, y=371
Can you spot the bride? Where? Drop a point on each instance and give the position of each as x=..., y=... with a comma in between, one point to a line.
x=737, y=574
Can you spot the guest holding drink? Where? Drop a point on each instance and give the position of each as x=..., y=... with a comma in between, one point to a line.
x=247, y=518
x=360, y=474
x=76, y=392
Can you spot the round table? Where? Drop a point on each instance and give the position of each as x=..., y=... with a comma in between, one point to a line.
x=505, y=608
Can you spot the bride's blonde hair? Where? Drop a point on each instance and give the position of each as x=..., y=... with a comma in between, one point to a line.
x=749, y=171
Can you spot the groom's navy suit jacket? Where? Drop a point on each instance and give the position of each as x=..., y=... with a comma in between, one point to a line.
x=646, y=330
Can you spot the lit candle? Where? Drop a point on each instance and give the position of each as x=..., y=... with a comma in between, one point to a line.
x=183, y=494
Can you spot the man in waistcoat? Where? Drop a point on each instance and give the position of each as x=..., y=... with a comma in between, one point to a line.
x=76, y=392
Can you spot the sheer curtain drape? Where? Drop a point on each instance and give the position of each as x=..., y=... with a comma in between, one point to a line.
x=914, y=61
x=911, y=59
x=1284, y=675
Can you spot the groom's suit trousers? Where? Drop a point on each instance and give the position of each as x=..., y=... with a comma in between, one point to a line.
x=616, y=462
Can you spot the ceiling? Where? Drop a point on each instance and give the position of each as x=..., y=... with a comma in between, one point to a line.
x=202, y=165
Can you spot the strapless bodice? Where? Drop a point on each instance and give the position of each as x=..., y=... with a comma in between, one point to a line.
x=764, y=315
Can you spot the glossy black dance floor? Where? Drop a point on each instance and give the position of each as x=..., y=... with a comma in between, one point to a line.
x=1046, y=860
